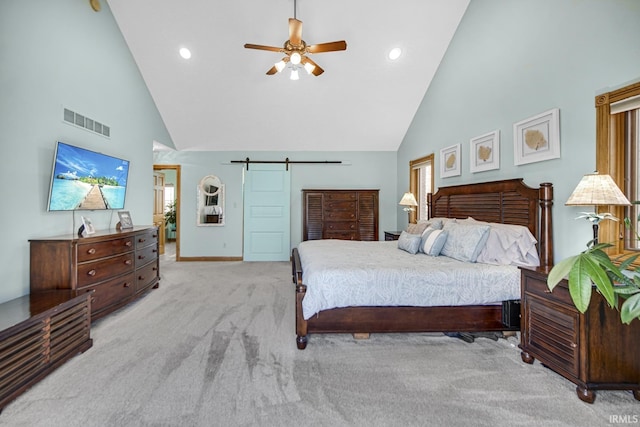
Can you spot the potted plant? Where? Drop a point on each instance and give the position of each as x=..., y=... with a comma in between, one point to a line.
x=170, y=214
x=613, y=279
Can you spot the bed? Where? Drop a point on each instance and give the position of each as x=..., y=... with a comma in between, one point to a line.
x=506, y=202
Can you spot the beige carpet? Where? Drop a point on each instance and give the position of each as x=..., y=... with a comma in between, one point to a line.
x=215, y=346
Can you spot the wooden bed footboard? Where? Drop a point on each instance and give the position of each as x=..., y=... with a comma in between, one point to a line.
x=508, y=201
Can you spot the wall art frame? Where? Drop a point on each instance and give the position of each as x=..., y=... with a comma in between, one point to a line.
x=450, y=161
x=537, y=138
x=485, y=152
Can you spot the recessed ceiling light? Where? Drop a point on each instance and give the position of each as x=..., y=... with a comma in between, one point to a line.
x=395, y=53
x=185, y=53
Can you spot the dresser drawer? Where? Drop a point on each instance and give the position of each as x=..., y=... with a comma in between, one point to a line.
x=146, y=275
x=96, y=250
x=111, y=292
x=340, y=196
x=340, y=205
x=97, y=271
x=340, y=215
x=539, y=287
x=146, y=255
x=147, y=238
x=341, y=226
x=341, y=235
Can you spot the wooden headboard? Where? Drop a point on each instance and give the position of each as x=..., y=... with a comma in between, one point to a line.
x=508, y=201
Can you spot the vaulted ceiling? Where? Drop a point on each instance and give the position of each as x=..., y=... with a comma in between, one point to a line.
x=221, y=99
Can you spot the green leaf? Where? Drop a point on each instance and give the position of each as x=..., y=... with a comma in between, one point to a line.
x=598, y=275
x=624, y=264
x=625, y=290
x=630, y=309
x=580, y=285
x=560, y=271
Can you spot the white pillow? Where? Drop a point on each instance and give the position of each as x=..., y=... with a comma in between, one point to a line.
x=508, y=244
x=464, y=240
x=433, y=241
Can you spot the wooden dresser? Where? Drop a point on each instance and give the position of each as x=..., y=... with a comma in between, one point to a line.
x=340, y=214
x=115, y=266
x=594, y=350
x=38, y=333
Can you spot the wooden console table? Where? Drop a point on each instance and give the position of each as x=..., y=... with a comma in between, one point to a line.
x=38, y=333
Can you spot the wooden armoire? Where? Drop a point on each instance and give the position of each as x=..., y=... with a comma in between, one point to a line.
x=340, y=214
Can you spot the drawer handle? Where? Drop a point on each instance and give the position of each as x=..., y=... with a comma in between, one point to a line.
x=574, y=345
x=155, y=268
x=142, y=240
x=127, y=284
x=140, y=277
x=91, y=251
x=141, y=257
x=127, y=262
x=129, y=243
x=155, y=250
x=155, y=236
x=91, y=273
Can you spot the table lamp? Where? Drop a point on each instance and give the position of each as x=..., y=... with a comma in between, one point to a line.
x=597, y=190
x=408, y=201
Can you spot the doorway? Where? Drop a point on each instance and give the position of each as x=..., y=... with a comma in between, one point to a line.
x=169, y=232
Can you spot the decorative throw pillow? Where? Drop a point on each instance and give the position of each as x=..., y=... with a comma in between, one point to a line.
x=433, y=241
x=464, y=241
x=423, y=224
x=409, y=242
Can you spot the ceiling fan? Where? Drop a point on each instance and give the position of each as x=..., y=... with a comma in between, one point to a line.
x=296, y=50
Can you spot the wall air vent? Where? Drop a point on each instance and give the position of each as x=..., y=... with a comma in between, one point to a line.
x=84, y=122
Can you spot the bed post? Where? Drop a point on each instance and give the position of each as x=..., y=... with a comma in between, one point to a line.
x=546, y=229
x=301, y=290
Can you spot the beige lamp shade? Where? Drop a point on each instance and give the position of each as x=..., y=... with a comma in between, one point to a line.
x=595, y=190
x=408, y=200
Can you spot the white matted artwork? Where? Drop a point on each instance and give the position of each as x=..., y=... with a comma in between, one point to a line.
x=450, y=161
x=537, y=138
x=485, y=152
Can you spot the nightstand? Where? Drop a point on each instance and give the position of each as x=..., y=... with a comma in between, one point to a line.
x=591, y=349
x=392, y=235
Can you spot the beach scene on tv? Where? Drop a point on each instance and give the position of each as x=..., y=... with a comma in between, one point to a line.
x=84, y=179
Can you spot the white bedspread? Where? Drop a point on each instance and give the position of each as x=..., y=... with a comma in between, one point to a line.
x=342, y=273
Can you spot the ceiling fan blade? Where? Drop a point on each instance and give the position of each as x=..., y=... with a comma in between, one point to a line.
x=273, y=70
x=317, y=70
x=295, y=32
x=261, y=47
x=327, y=47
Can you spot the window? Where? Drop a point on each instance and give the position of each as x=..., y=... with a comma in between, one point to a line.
x=421, y=184
x=617, y=154
x=632, y=174
x=169, y=196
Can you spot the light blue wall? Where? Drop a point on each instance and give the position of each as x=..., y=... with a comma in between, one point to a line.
x=510, y=60
x=365, y=170
x=56, y=54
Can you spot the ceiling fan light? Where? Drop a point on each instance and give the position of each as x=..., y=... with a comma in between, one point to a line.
x=280, y=65
x=295, y=58
x=309, y=67
x=294, y=75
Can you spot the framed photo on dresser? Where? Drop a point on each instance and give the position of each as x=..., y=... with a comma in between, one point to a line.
x=125, y=220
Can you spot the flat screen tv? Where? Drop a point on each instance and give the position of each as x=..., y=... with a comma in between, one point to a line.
x=86, y=180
